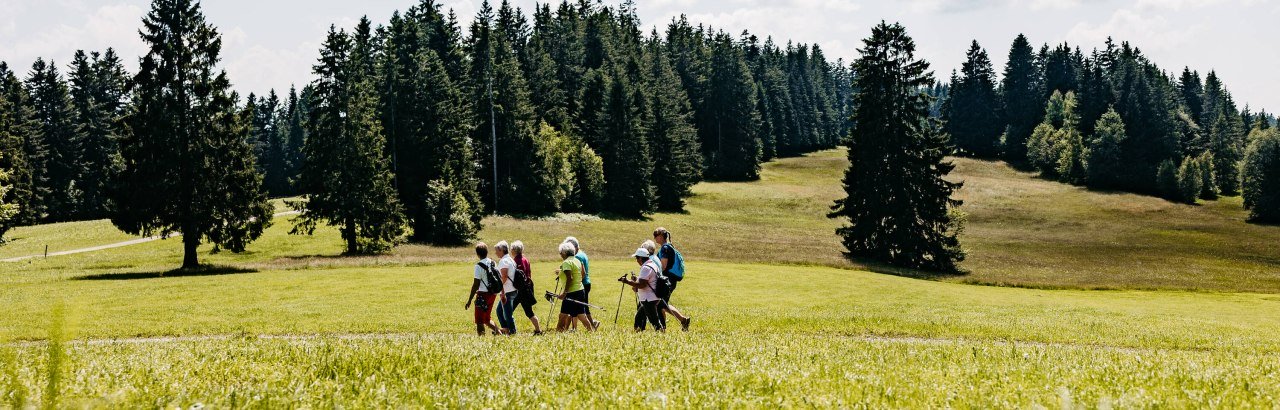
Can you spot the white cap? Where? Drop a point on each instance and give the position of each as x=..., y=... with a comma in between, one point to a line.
x=642, y=253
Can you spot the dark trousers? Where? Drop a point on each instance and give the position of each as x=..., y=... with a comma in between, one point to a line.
x=650, y=312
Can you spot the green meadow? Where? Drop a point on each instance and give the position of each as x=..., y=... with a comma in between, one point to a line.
x=1071, y=298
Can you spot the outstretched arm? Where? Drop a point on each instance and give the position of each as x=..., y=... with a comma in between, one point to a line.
x=475, y=286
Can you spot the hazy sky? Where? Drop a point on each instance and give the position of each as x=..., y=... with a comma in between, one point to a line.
x=273, y=43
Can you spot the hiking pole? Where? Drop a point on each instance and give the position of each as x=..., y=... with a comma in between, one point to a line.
x=619, y=309
x=553, y=302
x=552, y=296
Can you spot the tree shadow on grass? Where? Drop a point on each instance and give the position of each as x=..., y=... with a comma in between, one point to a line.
x=176, y=273
x=886, y=269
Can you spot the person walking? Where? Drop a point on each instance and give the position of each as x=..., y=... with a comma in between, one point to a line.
x=525, y=296
x=572, y=311
x=586, y=275
x=648, y=308
x=667, y=259
x=485, y=275
x=507, y=294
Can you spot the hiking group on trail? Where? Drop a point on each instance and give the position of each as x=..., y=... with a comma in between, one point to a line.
x=508, y=284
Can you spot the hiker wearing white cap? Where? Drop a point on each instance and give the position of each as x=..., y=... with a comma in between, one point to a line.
x=649, y=308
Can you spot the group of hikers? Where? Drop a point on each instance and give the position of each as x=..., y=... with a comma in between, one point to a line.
x=508, y=284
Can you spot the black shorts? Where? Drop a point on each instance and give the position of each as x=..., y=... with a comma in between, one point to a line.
x=571, y=308
x=666, y=296
x=526, y=300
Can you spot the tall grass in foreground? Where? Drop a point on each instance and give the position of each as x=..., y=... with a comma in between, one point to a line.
x=623, y=370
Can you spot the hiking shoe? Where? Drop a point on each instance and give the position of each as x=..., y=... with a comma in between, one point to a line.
x=595, y=324
x=684, y=325
x=537, y=333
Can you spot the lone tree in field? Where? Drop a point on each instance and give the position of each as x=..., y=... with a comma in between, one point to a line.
x=188, y=166
x=346, y=175
x=898, y=203
x=1262, y=178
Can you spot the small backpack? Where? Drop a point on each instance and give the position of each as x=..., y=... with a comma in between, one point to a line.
x=491, y=277
x=677, y=265
x=522, y=281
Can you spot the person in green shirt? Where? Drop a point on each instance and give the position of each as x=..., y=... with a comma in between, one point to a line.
x=586, y=276
x=570, y=273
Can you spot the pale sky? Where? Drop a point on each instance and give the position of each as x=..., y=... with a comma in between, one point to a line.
x=273, y=43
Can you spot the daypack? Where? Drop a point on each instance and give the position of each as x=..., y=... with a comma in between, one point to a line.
x=492, y=279
x=522, y=281
x=677, y=265
x=661, y=284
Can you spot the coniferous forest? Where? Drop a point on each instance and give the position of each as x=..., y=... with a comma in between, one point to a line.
x=418, y=127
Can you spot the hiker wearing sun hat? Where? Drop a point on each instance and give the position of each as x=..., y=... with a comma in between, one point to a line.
x=649, y=307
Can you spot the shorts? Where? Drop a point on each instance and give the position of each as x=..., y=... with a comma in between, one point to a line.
x=650, y=312
x=526, y=300
x=484, y=307
x=671, y=288
x=574, y=309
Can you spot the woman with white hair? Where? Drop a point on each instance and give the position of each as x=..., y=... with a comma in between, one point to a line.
x=573, y=310
x=648, y=309
x=507, y=294
x=586, y=275
x=524, y=290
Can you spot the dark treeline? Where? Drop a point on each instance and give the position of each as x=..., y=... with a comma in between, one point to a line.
x=1108, y=119
x=589, y=113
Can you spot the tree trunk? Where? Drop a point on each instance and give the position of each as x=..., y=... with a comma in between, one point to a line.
x=349, y=233
x=190, y=244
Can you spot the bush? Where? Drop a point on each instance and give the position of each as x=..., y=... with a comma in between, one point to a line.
x=448, y=216
x=1261, y=183
x=1040, y=148
x=587, y=194
x=1189, y=183
x=1102, y=158
x=556, y=151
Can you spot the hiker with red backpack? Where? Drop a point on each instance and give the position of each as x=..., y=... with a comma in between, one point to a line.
x=525, y=296
x=486, y=278
x=671, y=275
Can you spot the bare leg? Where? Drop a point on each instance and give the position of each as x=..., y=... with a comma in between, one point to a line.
x=564, y=323
x=586, y=322
x=479, y=329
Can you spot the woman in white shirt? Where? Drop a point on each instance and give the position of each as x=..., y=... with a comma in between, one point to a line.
x=650, y=308
x=507, y=270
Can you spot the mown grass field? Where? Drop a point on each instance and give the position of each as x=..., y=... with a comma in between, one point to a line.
x=780, y=319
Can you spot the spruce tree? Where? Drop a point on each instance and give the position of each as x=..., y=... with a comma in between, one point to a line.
x=345, y=176
x=1261, y=181
x=898, y=204
x=98, y=83
x=628, y=168
x=1226, y=142
x=20, y=137
x=730, y=127
x=677, y=162
x=1102, y=157
x=188, y=166
x=63, y=139
x=1023, y=107
x=972, y=109
x=1192, y=93
x=8, y=209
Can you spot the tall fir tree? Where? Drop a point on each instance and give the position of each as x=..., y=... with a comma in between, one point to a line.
x=345, y=176
x=1191, y=91
x=898, y=204
x=972, y=109
x=677, y=159
x=20, y=137
x=1022, y=105
x=98, y=86
x=188, y=166
x=51, y=99
x=730, y=127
